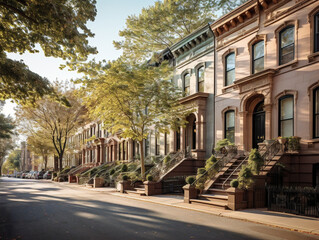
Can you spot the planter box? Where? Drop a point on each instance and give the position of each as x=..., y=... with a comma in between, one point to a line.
x=98, y=182
x=236, y=199
x=152, y=188
x=124, y=185
x=190, y=192
x=72, y=179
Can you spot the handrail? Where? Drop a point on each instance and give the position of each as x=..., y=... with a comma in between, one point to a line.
x=267, y=150
x=206, y=172
x=75, y=169
x=156, y=171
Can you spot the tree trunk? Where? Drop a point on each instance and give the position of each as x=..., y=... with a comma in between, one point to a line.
x=142, y=160
x=56, y=167
x=60, y=162
x=45, y=162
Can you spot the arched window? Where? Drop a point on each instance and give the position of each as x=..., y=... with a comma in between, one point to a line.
x=316, y=113
x=287, y=45
x=230, y=125
x=286, y=116
x=230, y=69
x=187, y=84
x=258, y=57
x=200, y=79
x=316, y=33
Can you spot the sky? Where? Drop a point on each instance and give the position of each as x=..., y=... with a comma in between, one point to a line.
x=111, y=16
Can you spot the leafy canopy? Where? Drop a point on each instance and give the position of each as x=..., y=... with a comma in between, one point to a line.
x=165, y=23
x=57, y=27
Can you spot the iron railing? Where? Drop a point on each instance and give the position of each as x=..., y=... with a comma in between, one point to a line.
x=268, y=155
x=219, y=164
x=159, y=170
x=295, y=200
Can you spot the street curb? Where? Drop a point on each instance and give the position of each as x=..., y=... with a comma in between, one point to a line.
x=196, y=210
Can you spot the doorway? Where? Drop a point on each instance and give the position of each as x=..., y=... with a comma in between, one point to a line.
x=258, y=124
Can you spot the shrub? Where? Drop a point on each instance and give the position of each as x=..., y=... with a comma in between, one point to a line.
x=255, y=161
x=294, y=143
x=190, y=180
x=220, y=145
x=124, y=168
x=234, y=183
x=201, y=171
x=166, y=159
x=149, y=178
x=112, y=171
x=124, y=177
x=210, y=162
x=245, y=177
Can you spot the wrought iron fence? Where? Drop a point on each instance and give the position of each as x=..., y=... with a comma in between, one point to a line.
x=296, y=200
x=173, y=185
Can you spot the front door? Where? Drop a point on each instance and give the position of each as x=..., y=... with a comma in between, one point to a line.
x=258, y=124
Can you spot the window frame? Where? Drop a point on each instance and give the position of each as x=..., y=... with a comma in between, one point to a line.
x=281, y=48
x=198, y=79
x=316, y=33
x=233, y=69
x=184, y=85
x=253, y=57
x=225, y=123
x=279, y=114
x=314, y=114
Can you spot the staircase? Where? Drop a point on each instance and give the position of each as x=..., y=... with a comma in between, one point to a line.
x=138, y=189
x=215, y=191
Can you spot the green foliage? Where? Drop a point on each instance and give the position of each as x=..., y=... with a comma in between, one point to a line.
x=58, y=27
x=245, y=177
x=201, y=171
x=210, y=162
x=124, y=168
x=112, y=171
x=234, y=183
x=124, y=177
x=190, y=180
x=166, y=22
x=167, y=158
x=6, y=126
x=294, y=143
x=255, y=161
x=135, y=99
x=149, y=178
x=220, y=145
x=13, y=161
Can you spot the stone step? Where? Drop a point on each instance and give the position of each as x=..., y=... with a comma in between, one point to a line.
x=217, y=204
x=217, y=191
x=139, y=189
x=133, y=192
x=213, y=196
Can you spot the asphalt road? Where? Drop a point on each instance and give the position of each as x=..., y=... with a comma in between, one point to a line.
x=35, y=209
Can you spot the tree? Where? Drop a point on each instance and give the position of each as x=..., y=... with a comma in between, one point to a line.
x=13, y=160
x=39, y=143
x=57, y=27
x=56, y=121
x=165, y=23
x=132, y=99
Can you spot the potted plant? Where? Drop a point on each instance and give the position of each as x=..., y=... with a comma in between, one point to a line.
x=294, y=143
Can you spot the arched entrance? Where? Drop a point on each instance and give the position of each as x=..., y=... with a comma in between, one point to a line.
x=258, y=124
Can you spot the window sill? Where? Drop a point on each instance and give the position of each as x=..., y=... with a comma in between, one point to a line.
x=292, y=64
x=228, y=88
x=312, y=57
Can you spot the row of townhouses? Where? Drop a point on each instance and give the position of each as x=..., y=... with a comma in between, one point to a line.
x=251, y=76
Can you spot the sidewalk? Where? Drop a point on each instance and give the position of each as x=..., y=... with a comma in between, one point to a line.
x=261, y=216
